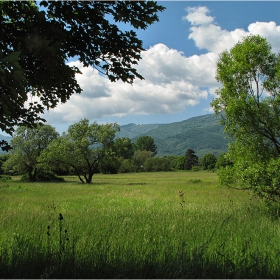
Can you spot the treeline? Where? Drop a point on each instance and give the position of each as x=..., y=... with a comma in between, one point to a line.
x=40, y=153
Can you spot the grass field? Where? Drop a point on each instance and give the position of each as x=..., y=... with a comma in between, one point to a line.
x=140, y=225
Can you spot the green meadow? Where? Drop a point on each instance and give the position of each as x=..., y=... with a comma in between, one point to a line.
x=138, y=225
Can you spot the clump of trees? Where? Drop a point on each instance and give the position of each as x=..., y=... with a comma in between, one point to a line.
x=39, y=153
x=249, y=103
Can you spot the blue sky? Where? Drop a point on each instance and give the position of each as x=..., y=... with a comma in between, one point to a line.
x=178, y=65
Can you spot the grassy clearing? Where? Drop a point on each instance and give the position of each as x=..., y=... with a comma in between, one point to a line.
x=144, y=225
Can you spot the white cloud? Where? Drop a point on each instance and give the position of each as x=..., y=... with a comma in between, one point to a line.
x=172, y=80
x=213, y=38
x=269, y=30
x=198, y=15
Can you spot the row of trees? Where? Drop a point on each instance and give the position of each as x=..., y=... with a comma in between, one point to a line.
x=85, y=149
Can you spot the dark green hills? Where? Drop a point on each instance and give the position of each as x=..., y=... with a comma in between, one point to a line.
x=203, y=134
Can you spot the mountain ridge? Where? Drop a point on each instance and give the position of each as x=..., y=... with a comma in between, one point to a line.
x=204, y=134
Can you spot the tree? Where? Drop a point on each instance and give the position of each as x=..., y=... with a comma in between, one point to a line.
x=191, y=159
x=123, y=148
x=249, y=102
x=3, y=159
x=110, y=164
x=38, y=38
x=82, y=148
x=127, y=166
x=28, y=144
x=223, y=161
x=139, y=159
x=178, y=162
x=208, y=161
x=158, y=164
x=146, y=143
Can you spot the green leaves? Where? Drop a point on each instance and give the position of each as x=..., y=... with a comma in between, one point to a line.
x=82, y=148
x=36, y=44
x=249, y=99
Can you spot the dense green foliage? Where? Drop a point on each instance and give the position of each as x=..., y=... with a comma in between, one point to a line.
x=3, y=158
x=38, y=38
x=28, y=144
x=153, y=225
x=208, y=161
x=191, y=159
x=249, y=98
x=82, y=148
x=86, y=149
x=146, y=143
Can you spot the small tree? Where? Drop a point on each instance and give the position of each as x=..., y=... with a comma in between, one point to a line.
x=178, y=162
x=139, y=159
x=127, y=166
x=191, y=159
x=3, y=159
x=123, y=148
x=208, y=161
x=82, y=148
x=146, y=143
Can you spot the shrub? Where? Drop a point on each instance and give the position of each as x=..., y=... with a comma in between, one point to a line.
x=4, y=178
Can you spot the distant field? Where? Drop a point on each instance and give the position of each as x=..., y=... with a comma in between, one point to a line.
x=140, y=225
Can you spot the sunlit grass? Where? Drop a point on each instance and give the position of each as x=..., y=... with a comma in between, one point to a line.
x=140, y=225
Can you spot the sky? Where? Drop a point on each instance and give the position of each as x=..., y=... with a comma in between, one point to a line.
x=178, y=65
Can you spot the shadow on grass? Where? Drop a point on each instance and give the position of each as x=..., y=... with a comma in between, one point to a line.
x=29, y=263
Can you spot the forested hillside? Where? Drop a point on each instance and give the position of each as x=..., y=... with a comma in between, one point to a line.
x=203, y=134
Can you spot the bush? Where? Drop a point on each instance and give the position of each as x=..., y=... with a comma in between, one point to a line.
x=195, y=168
x=4, y=178
x=127, y=166
x=43, y=176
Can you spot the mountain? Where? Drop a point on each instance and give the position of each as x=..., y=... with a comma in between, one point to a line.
x=203, y=134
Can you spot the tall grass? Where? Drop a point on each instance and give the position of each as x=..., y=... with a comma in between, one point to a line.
x=145, y=225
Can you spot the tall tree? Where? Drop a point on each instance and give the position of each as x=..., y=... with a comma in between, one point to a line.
x=146, y=143
x=191, y=159
x=39, y=37
x=82, y=148
x=28, y=144
x=249, y=102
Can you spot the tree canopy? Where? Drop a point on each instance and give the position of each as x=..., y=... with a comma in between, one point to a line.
x=249, y=102
x=146, y=143
x=191, y=159
x=208, y=161
x=28, y=144
x=38, y=39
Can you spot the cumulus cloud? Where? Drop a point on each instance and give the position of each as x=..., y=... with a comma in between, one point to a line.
x=198, y=16
x=168, y=88
x=211, y=37
x=172, y=82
